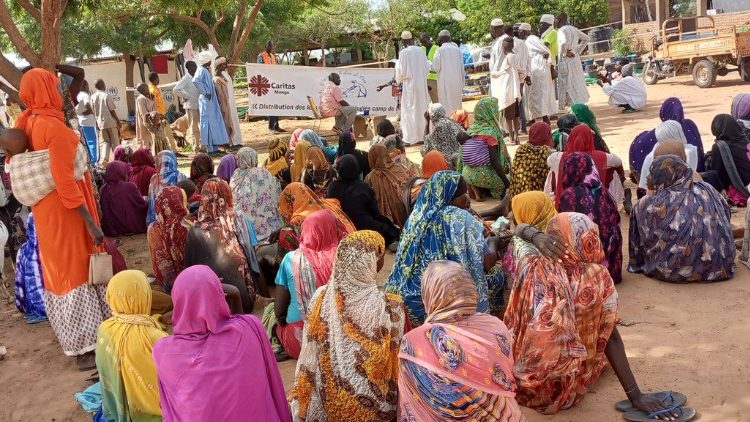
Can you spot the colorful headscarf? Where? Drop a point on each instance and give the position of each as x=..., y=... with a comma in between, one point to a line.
x=671, y=109
x=581, y=140
x=201, y=169
x=125, y=154
x=256, y=192
x=142, y=169
x=167, y=236
x=363, y=385
x=227, y=167
x=39, y=93
x=219, y=357
x=461, y=117
x=295, y=138
x=452, y=371
x=534, y=208
x=540, y=134
x=166, y=175
x=387, y=180
x=310, y=136
x=585, y=116
x=298, y=201
x=487, y=119
x=299, y=164
x=432, y=163
x=276, y=161
x=741, y=109
x=124, y=348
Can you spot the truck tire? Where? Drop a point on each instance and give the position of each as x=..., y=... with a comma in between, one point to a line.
x=704, y=74
x=649, y=74
x=745, y=69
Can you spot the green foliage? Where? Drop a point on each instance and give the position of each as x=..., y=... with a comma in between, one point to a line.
x=622, y=42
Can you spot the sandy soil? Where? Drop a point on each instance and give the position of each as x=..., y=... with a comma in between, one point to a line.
x=690, y=338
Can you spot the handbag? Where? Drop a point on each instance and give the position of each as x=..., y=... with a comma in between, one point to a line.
x=31, y=174
x=100, y=268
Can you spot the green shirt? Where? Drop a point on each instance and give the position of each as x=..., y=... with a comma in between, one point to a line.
x=551, y=39
x=431, y=55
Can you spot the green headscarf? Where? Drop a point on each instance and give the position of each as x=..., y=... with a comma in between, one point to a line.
x=487, y=119
x=585, y=116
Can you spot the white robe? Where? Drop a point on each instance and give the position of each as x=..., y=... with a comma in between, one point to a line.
x=540, y=96
x=496, y=54
x=522, y=57
x=571, y=84
x=236, y=138
x=506, y=85
x=628, y=90
x=412, y=68
x=449, y=65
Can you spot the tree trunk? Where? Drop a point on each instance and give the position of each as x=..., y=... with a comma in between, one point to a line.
x=10, y=72
x=129, y=95
x=234, y=55
x=52, y=11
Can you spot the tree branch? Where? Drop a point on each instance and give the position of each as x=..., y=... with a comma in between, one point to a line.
x=246, y=31
x=236, y=25
x=218, y=22
x=30, y=9
x=10, y=72
x=18, y=40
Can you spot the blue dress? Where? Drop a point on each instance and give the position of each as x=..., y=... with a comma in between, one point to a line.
x=29, y=284
x=213, y=131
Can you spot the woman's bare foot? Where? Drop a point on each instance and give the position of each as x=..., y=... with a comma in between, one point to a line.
x=475, y=194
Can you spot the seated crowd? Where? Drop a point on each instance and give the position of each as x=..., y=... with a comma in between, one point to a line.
x=302, y=237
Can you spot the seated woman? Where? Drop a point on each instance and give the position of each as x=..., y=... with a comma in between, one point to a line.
x=669, y=130
x=213, y=241
x=441, y=227
x=397, y=151
x=643, y=144
x=312, y=138
x=142, y=169
x=167, y=236
x=123, y=351
x=255, y=193
x=166, y=175
x=661, y=247
x=300, y=274
x=317, y=173
x=585, y=116
x=582, y=140
x=348, y=367
x=122, y=205
x=227, y=167
x=387, y=180
x=444, y=133
x=529, y=170
x=224, y=359
x=565, y=124
x=432, y=388
x=123, y=153
x=584, y=193
x=277, y=162
x=551, y=341
x=348, y=145
x=201, y=169
x=741, y=109
x=294, y=139
x=432, y=163
x=730, y=165
x=300, y=160
x=485, y=162
x=358, y=201
x=385, y=129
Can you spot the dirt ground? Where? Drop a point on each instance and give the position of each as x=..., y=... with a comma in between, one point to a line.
x=689, y=338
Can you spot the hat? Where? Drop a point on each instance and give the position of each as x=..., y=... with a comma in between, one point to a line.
x=406, y=35
x=496, y=22
x=627, y=70
x=444, y=33
x=220, y=60
x=204, y=58
x=524, y=27
x=548, y=19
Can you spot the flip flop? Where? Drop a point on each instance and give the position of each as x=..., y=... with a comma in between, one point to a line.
x=684, y=414
x=669, y=398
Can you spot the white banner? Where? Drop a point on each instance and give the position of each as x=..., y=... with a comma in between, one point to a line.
x=279, y=90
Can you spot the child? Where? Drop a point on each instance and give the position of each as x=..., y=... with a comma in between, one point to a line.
x=193, y=197
x=13, y=142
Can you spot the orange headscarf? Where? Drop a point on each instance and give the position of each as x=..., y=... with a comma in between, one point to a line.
x=433, y=162
x=39, y=92
x=297, y=201
x=387, y=179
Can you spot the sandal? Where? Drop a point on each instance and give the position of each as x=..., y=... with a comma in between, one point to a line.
x=86, y=361
x=669, y=398
x=684, y=414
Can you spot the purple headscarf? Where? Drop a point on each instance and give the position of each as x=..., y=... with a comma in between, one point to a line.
x=216, y=366
x=123, y=206
x=644, y=143
x=227, y=166
x=741, y=109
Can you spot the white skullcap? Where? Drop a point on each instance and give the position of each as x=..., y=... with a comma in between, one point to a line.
x=524, y=27
x=496, y=22
x=548, y=19
x=204, y=58
x=406, y=35
x=444, y=33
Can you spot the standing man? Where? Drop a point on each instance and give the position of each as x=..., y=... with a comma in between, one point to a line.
x=222, y=95
x=507, y=84
x=213, y=130
x=496, y=51
x=160, y=105
x=522, y=54
x=87, y=122
x=186, y=90
x=411, y=71
x=332, y=104
x=571, y=85
x=269, y=57
x=106, y=120
x=429, y=50
x=221, y=69
x=549, y=35
x=540, y=96
x=144, y=106
x=449, y=65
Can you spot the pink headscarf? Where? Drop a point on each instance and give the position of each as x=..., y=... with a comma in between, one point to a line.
x=295, y=138
x=216, y=366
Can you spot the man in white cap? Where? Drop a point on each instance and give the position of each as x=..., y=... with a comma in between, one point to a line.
x=623, y=89
x=496, y=51
x=540, y=96
x=524, y=60
x=221, y=66
x=571, y=84
x=213, y=130
x=412, y=68
x=548, y=34
x=449, y=65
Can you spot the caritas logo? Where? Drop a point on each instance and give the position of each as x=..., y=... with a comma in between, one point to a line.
x=259, y=85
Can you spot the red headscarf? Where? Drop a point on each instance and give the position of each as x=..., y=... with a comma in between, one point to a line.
x=39, y=92
x=433, y=162
x=581, y=139
x=540, y=134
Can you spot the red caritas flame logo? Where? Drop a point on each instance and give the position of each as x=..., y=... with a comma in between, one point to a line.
x=259, y=85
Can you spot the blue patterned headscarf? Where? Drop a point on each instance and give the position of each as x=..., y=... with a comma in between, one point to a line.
x=168, y=175
x=29, y=283
x=437, y=230
x=310, y=136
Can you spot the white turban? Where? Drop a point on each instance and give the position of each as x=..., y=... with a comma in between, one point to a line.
x=204, y=58
x=548, y=19
x=524, y=27
x=496, y=22
x=444, y=33
x=670, y=130
x=406, y=35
